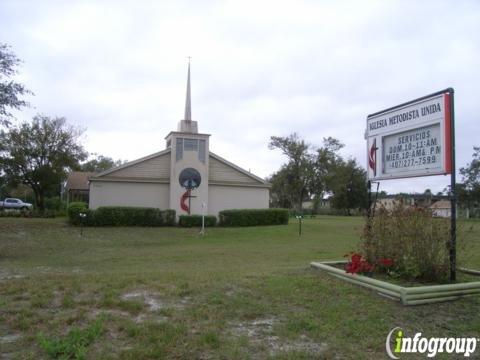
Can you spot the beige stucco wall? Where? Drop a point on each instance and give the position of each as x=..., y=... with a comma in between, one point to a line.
x=154, y=168
x=233, y=197
x=103, y=193
x=189, y=160
x=220, y=172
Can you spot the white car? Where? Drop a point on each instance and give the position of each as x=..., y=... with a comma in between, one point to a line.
x=11, y=203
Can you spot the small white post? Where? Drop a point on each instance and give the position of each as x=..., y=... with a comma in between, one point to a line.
x=82, y=222
x=203, y=218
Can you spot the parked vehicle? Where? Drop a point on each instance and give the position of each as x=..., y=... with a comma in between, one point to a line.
x=11, y=203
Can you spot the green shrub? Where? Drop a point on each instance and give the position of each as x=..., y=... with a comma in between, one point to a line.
x=12, y=213
x=336, y=212
x=130, y=216
x=74, y=210
x=55, y=204
x=27, y=213
x=196, y=220
x=119, y=216
x=168, y=217
x=413, y=238
x=47, y=214
x=308, y=212
x=127, y=216
x=253, y=217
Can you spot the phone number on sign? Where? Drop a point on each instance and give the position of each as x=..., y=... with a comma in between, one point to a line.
x=424, y=160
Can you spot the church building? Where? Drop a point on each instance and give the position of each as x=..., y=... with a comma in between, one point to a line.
x=186, y=177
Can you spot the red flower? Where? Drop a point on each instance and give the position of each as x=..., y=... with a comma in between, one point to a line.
x=358, y=265
x=387, y=262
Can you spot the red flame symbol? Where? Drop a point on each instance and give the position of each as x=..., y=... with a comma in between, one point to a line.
x=184, y=198
x=372, y=157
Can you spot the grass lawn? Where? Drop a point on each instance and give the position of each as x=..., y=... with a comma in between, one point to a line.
x=237, y=293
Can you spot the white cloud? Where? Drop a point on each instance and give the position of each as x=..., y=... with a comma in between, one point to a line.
x=260, y=68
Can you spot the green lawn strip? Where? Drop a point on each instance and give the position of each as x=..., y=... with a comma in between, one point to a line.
x=236, y=293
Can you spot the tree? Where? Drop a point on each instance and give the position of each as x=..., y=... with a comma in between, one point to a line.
x=297, y=173
x=471, y=173
x=463, y=195
x=100, y=163
x=349, y=187
x=283, y=192
x=427, y=194
x=10, y=91
x=345, y=180
x=39, y=154
x=326, y=161
x=468, y=192
x=311, y=173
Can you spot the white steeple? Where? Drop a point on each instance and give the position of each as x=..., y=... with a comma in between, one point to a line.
x=188, y=104
x=187, y=124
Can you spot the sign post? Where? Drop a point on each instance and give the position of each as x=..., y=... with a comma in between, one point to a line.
x=453, y=196
x=204, y=205
x=415, y=139
x=299, y=217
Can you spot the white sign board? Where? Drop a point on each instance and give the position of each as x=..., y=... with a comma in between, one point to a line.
x=412, y=139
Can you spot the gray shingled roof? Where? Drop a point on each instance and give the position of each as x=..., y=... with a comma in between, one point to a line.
x=78, y=180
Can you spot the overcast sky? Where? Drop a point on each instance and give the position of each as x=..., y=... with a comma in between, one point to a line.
x=259, y=68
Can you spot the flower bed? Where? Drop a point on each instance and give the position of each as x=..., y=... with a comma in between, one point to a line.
x=415, y=295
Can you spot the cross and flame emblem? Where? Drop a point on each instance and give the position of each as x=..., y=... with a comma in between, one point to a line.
x=372, y=157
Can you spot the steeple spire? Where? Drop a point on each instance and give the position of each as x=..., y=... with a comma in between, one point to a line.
x=188, y=104
x=187, y=125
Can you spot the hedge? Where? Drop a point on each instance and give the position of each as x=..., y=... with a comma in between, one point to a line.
x=73, y=212
x=253, y=217
x=308, y=212
x=196, y=220
x=120, y=216
x=27, y=213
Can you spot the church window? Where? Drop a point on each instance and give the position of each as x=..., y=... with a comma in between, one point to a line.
x=201, y=150
x=179, y=149
x=190, y=145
